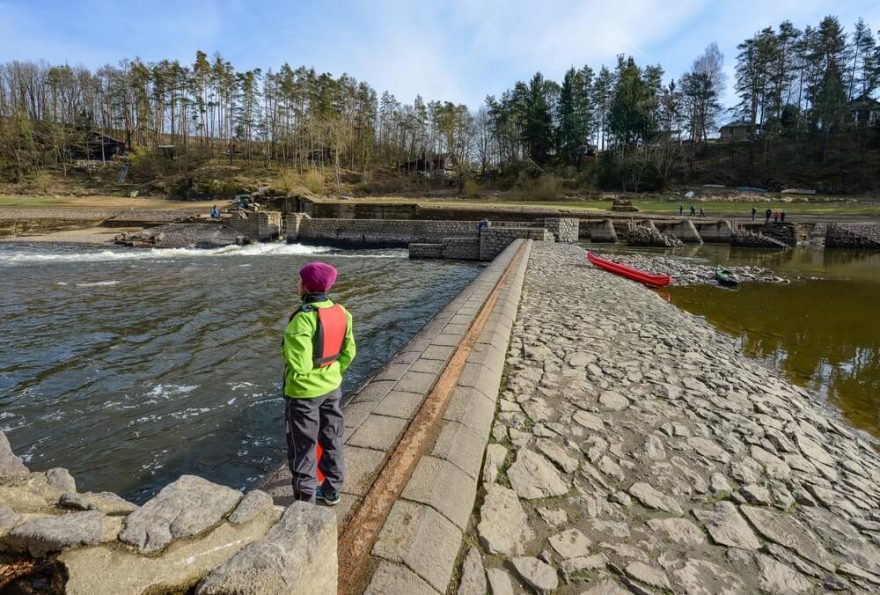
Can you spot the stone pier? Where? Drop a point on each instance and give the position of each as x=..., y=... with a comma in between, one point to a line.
x=635, y=449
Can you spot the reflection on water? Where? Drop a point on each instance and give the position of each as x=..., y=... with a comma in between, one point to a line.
x=824, y=334
x=131, y=367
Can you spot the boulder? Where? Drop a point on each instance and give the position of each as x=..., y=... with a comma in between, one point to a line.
x=10, y=465
x=297, y=556
x=43, y=536
x=107, y=502
x=184, y=508
x=504, y=526
x=250, y=506
x=60, y=479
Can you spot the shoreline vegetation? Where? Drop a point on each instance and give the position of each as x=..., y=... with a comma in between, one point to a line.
x=807, y=117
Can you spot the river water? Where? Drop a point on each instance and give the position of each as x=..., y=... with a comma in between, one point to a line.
x=822, y=330
x=132, y=367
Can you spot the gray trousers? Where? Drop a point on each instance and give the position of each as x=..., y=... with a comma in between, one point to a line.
x=308, y=422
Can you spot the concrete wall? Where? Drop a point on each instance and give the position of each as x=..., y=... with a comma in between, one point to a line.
x=719, y=231
x=684, y=230
x=450, y=248
x=598, y=231
x=359, y=233
x=494, y=240
x=260, y=226
x=360, y=210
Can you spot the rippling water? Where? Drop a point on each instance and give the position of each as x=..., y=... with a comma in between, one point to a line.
x=131, y=367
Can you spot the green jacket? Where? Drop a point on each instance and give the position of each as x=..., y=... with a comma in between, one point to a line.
x=301, y=379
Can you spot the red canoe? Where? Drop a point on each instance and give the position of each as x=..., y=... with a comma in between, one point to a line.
x=648, y=279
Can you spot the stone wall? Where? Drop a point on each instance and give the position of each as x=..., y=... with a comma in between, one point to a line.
x=191, y=529
x=494, y=240
x=853, y=235
x=787, y=233
x=564, y=230
x=260, y=226
x=360, y=233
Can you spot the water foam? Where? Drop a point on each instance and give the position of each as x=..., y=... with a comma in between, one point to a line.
x=270, y=249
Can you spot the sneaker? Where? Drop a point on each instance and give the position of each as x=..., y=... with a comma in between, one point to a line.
x=329, y=497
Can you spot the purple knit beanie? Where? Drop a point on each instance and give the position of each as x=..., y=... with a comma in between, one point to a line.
x=317, y=277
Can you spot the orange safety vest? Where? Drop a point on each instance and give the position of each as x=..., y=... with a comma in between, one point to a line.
x=330, y=334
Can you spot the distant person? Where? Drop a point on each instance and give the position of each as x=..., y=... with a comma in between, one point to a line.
x=680, y=210
x=483, y=224
x=318, y=346
x=754, y=212
x=775, y=216
x=782, y=216
x=702, y=212
x=767, y=215
x=693, y=210
x=215, y=212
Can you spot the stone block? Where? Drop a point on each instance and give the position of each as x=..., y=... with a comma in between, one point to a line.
x=484, y=380
x=297, y=556
x=250, y=506
x=374, y=391
x=439, y=352
x=446, y=339
x=422, y=539
x=416, y=382
x=354, y=414
x=392, y=371
x=361, y=467
x=400, y=404
x=444, y=487
x=390, y=578
x=428, y=366
x=379, y=432
x=472, y=409
x=461, y=446
x=10, y=465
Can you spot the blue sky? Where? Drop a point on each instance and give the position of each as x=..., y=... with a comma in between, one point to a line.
x=458, y=50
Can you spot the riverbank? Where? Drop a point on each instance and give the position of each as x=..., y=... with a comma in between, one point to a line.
x=636, y=447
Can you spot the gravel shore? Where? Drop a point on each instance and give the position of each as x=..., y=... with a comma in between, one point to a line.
x=635, y=449
x=687, y=271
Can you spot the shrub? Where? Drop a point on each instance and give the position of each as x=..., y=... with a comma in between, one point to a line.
x=472, y=188
x=313, y=180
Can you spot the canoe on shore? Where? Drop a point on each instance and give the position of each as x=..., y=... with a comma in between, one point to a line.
x=725, y=277
x=649, y=279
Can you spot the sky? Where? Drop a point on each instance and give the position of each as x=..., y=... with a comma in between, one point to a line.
x=455, y=50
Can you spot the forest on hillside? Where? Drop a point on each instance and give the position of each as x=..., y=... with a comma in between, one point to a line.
x=807, y=114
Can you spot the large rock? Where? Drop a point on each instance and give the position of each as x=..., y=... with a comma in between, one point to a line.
x=701, y=577
x=727, y=527
x=250, y=506
x=681, y=531
x=504, y=526
x=8, y=517
x=613, y=401
x=107, y=502
x=60, y=479
x=788, y=532
x=532, y=476
x=10, y=465
x=473, y=575
x=184, y=508
x=43, y=536
x=571, y=543
x=297, y=557
x=776, y=577
x=539, y=576
x=111, y=570
x=651, y=498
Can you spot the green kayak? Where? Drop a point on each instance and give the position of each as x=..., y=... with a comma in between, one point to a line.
x=726, y=277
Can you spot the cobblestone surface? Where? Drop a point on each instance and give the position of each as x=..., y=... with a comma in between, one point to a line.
x=697, y=470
